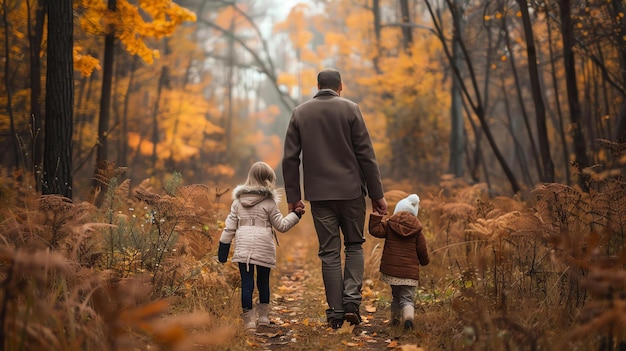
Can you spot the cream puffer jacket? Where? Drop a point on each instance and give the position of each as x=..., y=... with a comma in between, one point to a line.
x=253, y=213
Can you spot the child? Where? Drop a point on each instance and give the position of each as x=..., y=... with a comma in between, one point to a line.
x=405, y=250
x=253, y=215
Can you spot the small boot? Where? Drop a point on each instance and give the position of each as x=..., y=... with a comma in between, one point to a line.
x=264, y=313
x=249, y=320
x=408, y=312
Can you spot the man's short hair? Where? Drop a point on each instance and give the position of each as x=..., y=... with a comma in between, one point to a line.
x=329, y=79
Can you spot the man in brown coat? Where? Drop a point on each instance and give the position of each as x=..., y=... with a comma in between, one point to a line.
x=328, y=134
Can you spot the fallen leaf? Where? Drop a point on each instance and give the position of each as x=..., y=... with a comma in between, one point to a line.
x=392, y=344
x=346, y=328
x=411, y=348
x=268, y=335
x=349, y=343
x=370, y=308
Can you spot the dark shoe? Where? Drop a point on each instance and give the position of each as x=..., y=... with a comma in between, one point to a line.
x=408, y=324
x=352, y=314
x=395, y=322
x=335, y=323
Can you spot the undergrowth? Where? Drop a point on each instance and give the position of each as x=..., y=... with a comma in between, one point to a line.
x=543, y=273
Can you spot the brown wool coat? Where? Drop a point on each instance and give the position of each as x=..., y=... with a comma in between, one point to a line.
x=338, y=162
x=405, y=245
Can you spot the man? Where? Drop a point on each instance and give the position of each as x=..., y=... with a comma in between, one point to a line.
x=339, y=169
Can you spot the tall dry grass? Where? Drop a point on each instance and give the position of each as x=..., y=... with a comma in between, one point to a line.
x=546, y=273
x=136, y=272
x=139, y=272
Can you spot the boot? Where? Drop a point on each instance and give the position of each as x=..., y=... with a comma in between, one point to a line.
x=264, y=313
x=249, y=320
x=408, y=312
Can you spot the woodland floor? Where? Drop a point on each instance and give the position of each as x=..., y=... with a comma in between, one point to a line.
x=297, y=307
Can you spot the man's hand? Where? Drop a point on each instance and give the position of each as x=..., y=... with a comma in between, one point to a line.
x=379, y=206
x=293, y=205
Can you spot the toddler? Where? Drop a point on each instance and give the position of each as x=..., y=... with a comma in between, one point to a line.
x=404, y=251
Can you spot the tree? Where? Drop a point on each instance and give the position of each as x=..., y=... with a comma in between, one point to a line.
x=457, y=130
x=475, y=103
x=105, y=99
x=540, y=110
x=57, y=160
x=7, y=84
x=567, y=33
x=126, y=22
x=35, y=35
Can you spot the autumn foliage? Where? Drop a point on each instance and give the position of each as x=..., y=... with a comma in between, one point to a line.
x=202, y=89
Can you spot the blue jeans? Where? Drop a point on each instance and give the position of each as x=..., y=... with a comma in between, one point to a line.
x=331, y=219
x=247, y=284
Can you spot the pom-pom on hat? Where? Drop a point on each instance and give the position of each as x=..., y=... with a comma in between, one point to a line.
x=410, y=204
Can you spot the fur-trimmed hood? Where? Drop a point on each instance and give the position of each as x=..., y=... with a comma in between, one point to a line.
x=252, y=195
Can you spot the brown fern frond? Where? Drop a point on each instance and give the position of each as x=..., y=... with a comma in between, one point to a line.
x=146, y=196
x=481, y=228
x=106, y=170
x=60, y=216
x=563, y=207
x=609, y=207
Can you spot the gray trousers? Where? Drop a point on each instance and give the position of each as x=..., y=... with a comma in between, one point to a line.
x=331, y=219
x=403, y=295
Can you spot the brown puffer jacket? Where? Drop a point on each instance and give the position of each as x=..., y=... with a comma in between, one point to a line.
x=405, y=245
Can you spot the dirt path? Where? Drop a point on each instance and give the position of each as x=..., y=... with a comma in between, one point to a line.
x=297, y=317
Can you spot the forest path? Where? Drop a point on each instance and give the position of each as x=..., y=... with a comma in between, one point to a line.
x=298, y=303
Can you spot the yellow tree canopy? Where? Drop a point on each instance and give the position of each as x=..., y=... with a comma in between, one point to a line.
x=133, y=24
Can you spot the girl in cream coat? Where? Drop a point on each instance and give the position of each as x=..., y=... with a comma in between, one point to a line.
x=253, y=216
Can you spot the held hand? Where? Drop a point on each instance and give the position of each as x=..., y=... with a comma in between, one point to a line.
x=293, y=205
x=299, y=211
x=380, y=206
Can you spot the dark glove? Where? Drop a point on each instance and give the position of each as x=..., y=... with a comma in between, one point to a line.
x=299, y=211
x=222, y=252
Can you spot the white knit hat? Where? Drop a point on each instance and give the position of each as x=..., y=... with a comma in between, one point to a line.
x=410, y=204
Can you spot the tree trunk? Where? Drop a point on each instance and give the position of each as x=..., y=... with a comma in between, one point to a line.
x=457, y=130
x=230, y=72
x=407, y=31
x=540, y=109
x=35, y=35
x=557, y=102
x=520, y=99
x=163, y=82
x=57, y=176
x=620, y=128
x=105, y=106
x=580, y=146
x=122, y=156
x=377, y=30
x=512, y=126
x=8, y=88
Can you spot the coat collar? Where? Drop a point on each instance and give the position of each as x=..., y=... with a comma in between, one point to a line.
x=326, y=92
x=261, y=191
